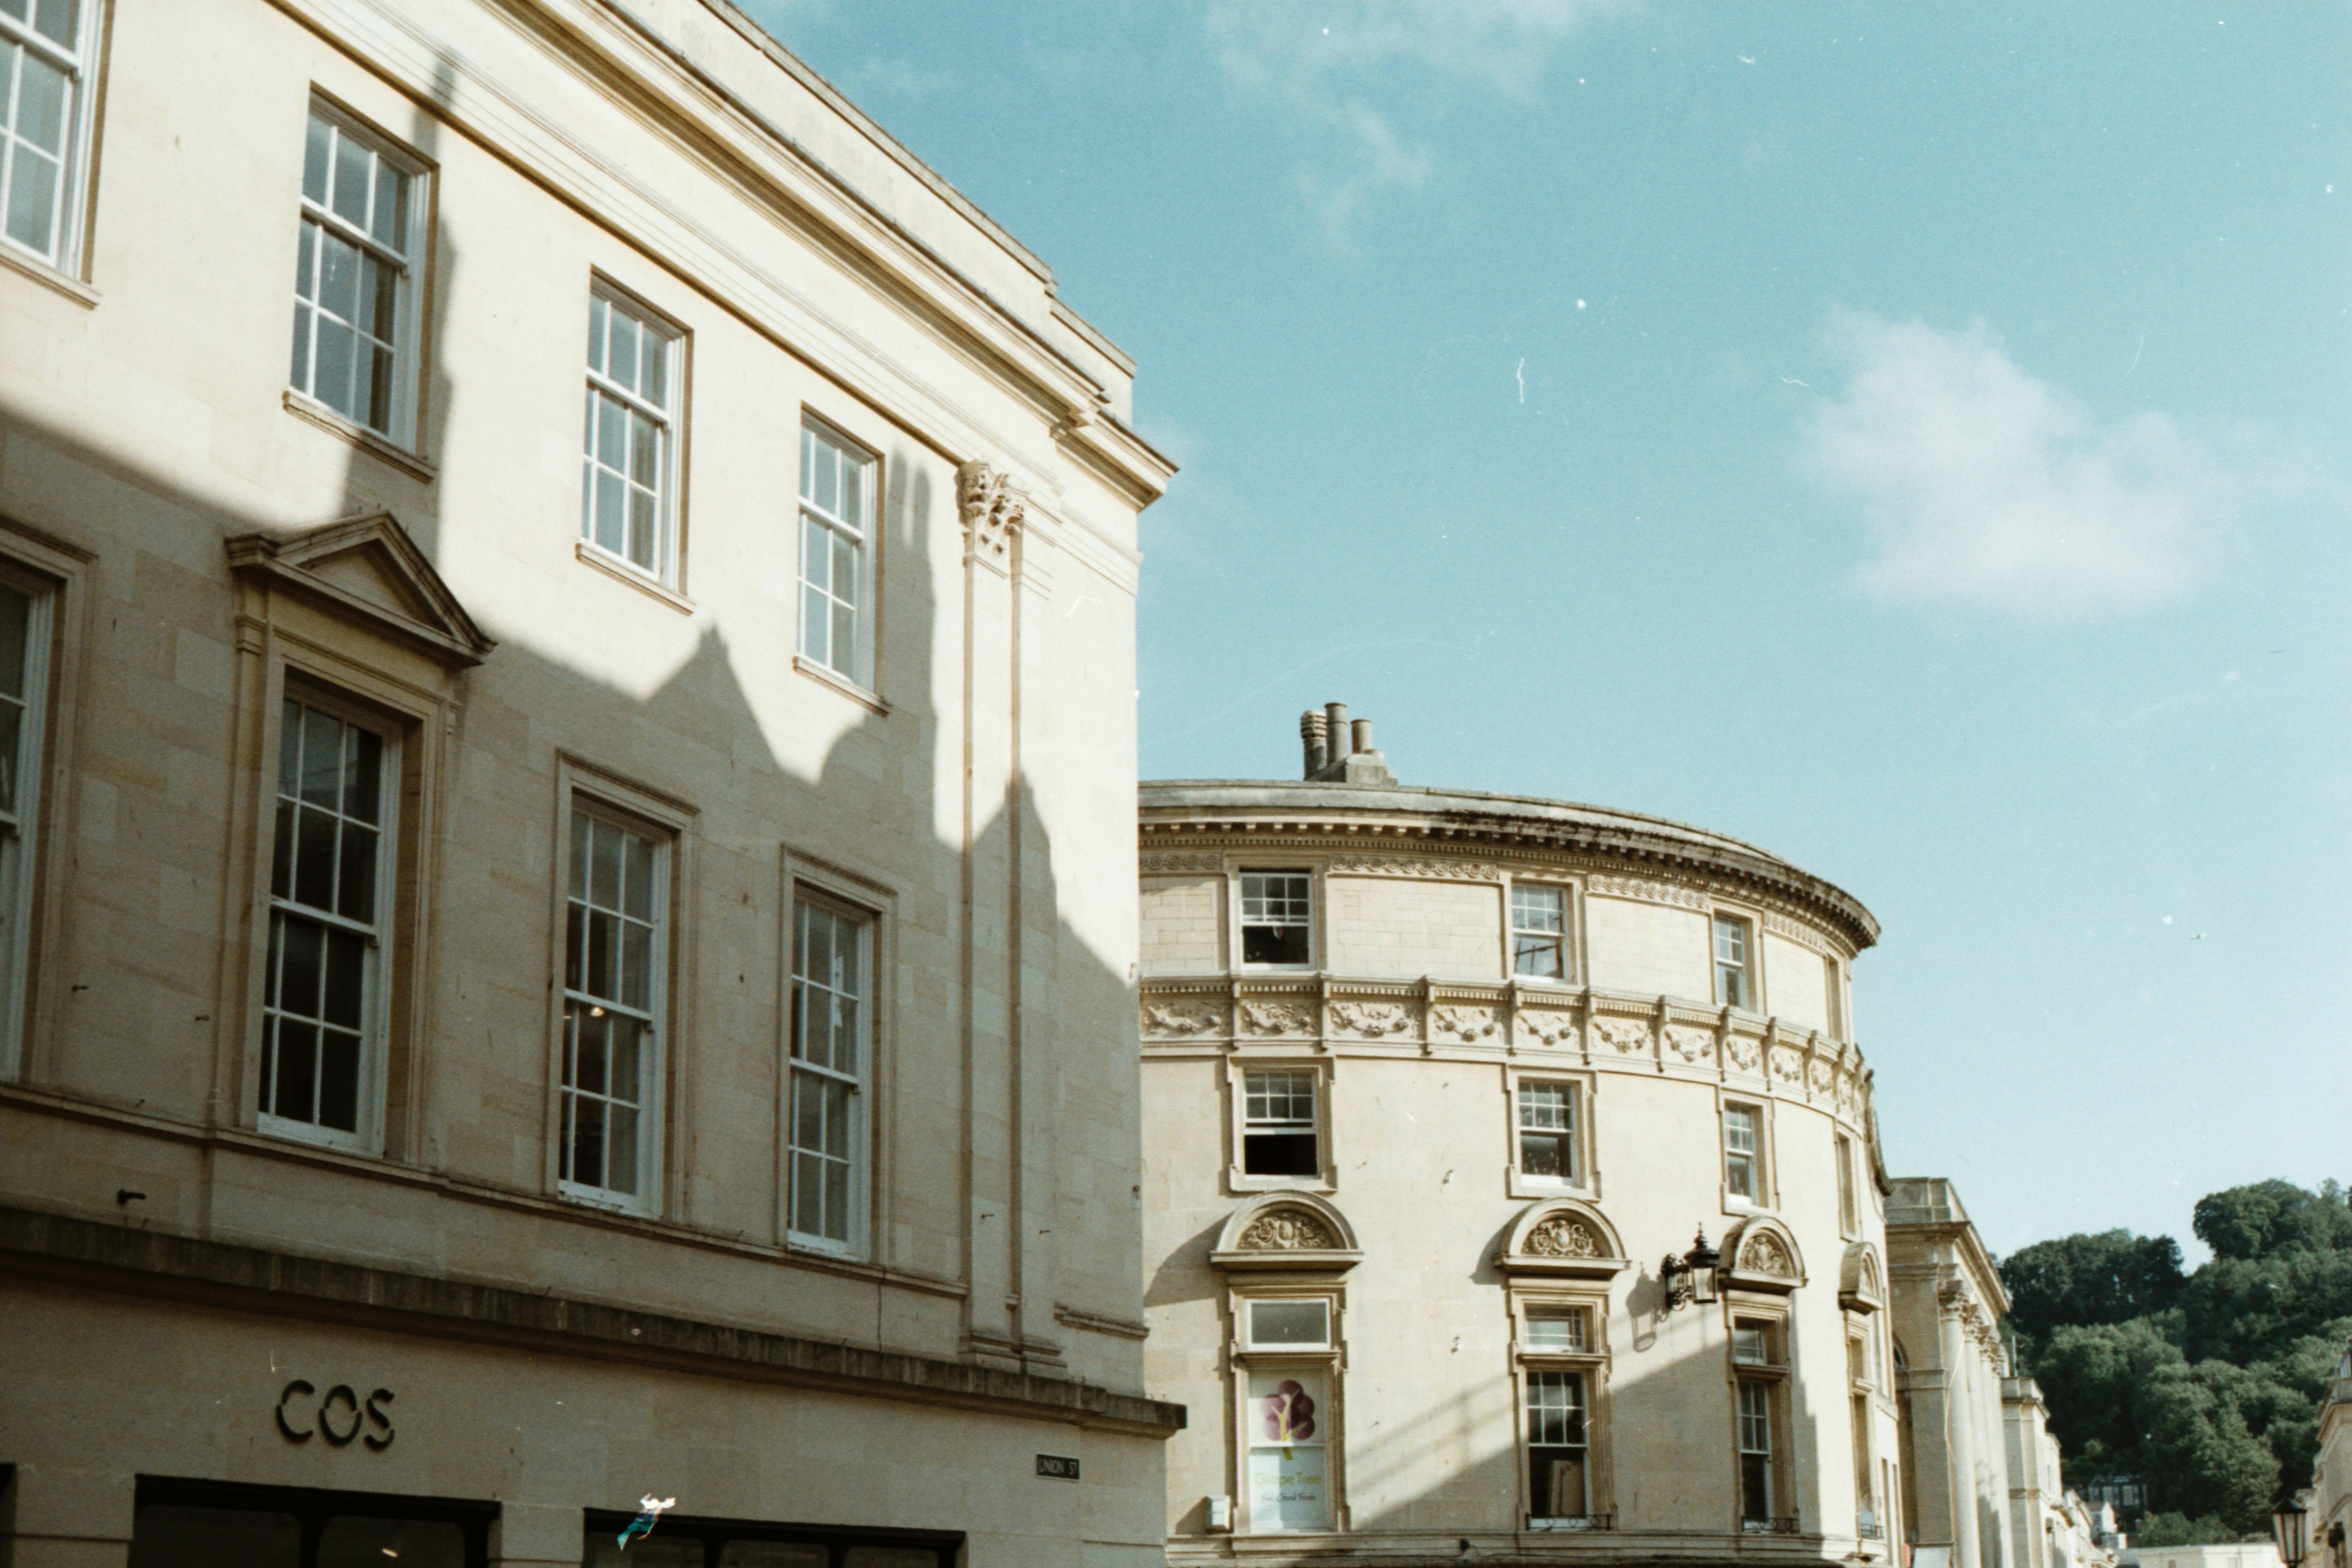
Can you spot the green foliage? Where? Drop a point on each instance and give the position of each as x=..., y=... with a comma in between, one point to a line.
x=2180, y=1530
x=2110, y=1278
x=2207, y=1388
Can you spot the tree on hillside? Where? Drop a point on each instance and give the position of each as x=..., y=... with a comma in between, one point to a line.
x=2111, y=1277
x=2207, y=1387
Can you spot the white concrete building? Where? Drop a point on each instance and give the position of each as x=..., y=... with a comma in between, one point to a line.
x=1439, y=1089
x=566, y=750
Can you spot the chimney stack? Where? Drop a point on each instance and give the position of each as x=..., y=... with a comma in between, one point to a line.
x=1339, y=750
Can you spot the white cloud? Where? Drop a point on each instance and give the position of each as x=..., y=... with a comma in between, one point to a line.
x=1982, y=485
x=1345, y=65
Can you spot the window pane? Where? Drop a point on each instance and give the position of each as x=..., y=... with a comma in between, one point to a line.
x=298, y=1067
x=1536, y=955
x=339, y=1079
x=599, y=319
x=390, y=222
x=1273, y=944
x=316, y=147
x=1290, y=1323
x=352, y=167
x=32, y=201
x=1556, y=1331
x=1544, y=1155
x=353, y=1542
x=169, y=1537
x=621, y=351
x=783, y=1555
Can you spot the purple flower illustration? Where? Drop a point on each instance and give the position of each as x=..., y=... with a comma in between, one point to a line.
x=1289, y=1415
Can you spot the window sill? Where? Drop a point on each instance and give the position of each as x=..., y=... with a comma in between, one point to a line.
x=1240, y=1182
x=310, y=410
x=620, y=570
x=41, y=272
x=825, y=674
x=600, y=1198
x=1545, y=1187
x=304, y=1133
x=811, y=1246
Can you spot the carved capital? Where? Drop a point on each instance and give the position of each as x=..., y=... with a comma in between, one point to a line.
x=992, y=510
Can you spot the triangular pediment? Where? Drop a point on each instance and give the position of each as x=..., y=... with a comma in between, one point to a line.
x=368, y=567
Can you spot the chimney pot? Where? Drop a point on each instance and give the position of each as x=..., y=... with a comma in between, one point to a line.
x=1335, y=715
x=1311, y=731
x=1361, y=736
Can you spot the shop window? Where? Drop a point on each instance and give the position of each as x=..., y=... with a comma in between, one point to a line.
x=211, y=1525
x=692, y=1542
x=1289, y=1449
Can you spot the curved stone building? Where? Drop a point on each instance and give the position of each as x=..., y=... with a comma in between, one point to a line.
x=1441, y=1091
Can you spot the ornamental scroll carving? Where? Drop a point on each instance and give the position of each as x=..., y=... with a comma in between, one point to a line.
x=1545, y=1027
x=1181, y=1019
x=1763, y=1254
x=1163, y=864
x=1562, y=1236
x=1647, y=891
x=1278, y=1017
x=1788, y=1066
x=1627, y=1035
x=1287, y=1230
x=1371, y=1020
x=992, y=508
x=1466, y=1024
x=1436, y=866
x=1745, y=1054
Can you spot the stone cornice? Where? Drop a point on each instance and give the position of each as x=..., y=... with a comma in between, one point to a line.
x=1470, y=836
x=184, y=1269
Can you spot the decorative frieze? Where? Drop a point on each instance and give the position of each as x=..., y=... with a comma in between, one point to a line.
x=1465, y=1023
x=1690, y=1045
x=1373, y=1021
x=1182, y=1020
x=1762, y=1253
x=1176, y=864
x=1624, y=1036
x=1646, y=891
x=1278, y=1017
x=1546, y=1026
x=1745, y=1053
x=1434, y=866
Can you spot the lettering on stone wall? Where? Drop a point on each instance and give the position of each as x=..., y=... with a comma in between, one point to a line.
x=339, y=1416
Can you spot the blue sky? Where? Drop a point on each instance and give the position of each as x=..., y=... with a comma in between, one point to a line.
x=1911, y=438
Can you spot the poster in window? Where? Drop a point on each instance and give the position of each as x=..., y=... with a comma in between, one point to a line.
x=1290, y=1468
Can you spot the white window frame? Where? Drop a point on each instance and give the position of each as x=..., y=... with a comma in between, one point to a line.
x=318, y=222
x=1759, y=1159
x=1750, y=969
x=1562, y=940
x=865, y=923
x=1327, y=1362
x=1849, y=1180
x=1248, y=1307
x=366, y=1137
x=20, y=826
x=1588, y=1360
x=1239, y=1070
x=78, y=64
x=1834, y=984
x=859, y=666
x=1770, y=1378
x=667, y=418
x=654, y=1065
x=1585, y=1181
x=1241, y=901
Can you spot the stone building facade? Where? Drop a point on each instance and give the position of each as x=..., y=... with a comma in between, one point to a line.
x=1438, y=1089
x=2327, y=1520
x=1952, y=1368
x=566, y=750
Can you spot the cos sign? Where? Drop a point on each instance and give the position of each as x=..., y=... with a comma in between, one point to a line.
x=339, y=1417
